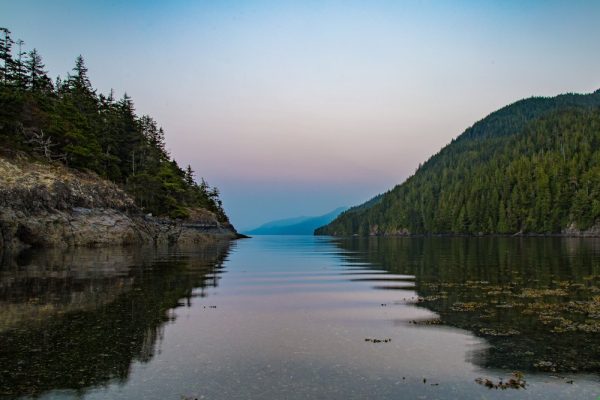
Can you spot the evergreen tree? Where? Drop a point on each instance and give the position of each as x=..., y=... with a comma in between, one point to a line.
x=189, y=175
x=18, y=73
x=37, y=78
x=5, y=55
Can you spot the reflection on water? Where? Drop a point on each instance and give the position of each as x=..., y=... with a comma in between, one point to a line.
x=536, y=301
x=303, y=317
x=71, y=320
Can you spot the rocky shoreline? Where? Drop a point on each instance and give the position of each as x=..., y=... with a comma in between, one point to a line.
x=571, y=231
x=48, y=205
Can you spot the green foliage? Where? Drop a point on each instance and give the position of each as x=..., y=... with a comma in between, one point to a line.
x=531, y=167
x=69, y=121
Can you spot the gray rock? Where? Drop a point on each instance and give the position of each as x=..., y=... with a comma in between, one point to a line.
x=44, y=207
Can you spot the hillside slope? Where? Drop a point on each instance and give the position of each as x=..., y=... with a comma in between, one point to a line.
x=530, y=167
x=68, y=121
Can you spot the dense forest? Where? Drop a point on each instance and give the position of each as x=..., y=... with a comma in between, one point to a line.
x=67, y=121
x=530, y=167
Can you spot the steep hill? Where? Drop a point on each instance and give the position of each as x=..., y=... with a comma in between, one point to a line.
x=68, y=121
x=530, y=167
x=79, y=168
x=296, y=226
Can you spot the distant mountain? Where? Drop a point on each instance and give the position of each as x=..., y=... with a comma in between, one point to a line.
x=297, y=225
x=530, y=167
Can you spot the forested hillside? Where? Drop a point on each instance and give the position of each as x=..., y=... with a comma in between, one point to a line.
x=531, y=167
x=68, y=121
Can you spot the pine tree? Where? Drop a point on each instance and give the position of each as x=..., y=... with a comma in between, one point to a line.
x=37, y=78
x=6, y=55
x=189, y=176
x=80, y=80
x=502, y=220
x=20, y=71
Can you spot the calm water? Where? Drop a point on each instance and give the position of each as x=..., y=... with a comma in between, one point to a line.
x=287, y=317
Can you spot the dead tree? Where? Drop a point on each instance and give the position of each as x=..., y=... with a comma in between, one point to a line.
x=42, y=143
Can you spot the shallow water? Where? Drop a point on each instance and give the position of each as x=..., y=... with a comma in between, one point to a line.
x=287, y=317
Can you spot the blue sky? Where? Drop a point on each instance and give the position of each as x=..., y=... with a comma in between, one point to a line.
x=296, y=108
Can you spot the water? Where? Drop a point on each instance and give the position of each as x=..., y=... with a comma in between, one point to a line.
x=288, y=317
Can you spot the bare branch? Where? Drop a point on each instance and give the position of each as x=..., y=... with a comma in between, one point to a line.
x=42, y=143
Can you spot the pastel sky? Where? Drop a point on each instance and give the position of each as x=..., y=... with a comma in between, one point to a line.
x=296, y=108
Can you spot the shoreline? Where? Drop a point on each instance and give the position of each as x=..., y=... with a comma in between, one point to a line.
x=583, y=234
x=48, y=205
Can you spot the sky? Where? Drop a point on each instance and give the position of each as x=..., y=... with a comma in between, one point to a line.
x=297, y=108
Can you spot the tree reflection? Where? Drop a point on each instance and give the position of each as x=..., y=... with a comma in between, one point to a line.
x=80, y=319
x=536, y=301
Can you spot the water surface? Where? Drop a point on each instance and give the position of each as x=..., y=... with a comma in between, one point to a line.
x=288, y=317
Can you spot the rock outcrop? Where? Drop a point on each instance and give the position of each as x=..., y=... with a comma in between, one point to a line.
x=44, y=205
x=573, y=230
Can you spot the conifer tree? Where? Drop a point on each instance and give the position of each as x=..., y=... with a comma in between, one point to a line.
x=6, y=43
x=37, y=78
x=18, y=73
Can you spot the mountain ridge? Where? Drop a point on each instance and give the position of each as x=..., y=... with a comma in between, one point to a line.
x=529, y=167
x=304, y=225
